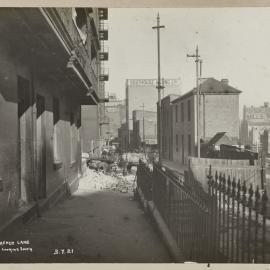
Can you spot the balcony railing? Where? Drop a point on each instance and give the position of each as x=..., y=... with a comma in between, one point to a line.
x=81, y=48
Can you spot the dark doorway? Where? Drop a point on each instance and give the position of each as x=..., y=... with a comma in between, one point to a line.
x=41, y=147
x=24, y=138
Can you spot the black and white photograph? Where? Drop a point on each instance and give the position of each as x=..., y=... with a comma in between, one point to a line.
x=134, y=135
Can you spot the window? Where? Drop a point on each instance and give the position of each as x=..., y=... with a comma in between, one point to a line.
x=183, y=147
x=189, y=144
x=93, y=52
x=80, y=20
x=164, y=118
x=56, y=118
x=176, y=113
x=56, y=111
x=176, y=142
x=189, y=112
x=182, y=112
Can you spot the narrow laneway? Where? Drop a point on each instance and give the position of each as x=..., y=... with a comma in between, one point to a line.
x=91, y=226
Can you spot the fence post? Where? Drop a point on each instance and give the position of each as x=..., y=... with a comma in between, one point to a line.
x=233, y=210
x=238, y=198
x=210, y=221
x=228, y=216
x=244, y=190
x=223, y=212
x=257, y=205
x=250, y=191
x=264, y=213
x=215, y=221
x=220, y=224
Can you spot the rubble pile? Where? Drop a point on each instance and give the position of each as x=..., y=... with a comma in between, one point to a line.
x=114, y=181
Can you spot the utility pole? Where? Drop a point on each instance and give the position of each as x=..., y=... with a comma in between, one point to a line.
x=197, y=61
x=143, y=126
x=159, y=86
x=143, y=123
x=203, y=114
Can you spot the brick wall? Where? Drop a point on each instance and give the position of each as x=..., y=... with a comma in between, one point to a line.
x=183, y=128
x=221, y=114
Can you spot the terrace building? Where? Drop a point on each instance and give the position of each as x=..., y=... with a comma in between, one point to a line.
x=219, y=110
x=48, y=70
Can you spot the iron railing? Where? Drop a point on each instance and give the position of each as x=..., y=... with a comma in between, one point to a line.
x=239, y=216
x=144, y=180
x=226, y=224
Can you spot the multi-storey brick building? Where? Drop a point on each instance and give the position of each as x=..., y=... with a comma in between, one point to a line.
x=255, y=121
x=48, y=70
x=219, y=112
x=143, y=92
x=144, y=128
x=115, y=112
x=94, y=120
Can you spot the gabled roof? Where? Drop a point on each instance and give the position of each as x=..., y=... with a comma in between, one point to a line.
x=211, y=86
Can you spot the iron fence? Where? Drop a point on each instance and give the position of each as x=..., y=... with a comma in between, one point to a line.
x=226, y=224
x=144, y=180
x=239, y=216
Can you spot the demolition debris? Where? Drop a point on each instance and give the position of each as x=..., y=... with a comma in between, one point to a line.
x=114, y=181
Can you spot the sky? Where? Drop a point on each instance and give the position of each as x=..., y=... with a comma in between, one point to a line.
x=234, y=43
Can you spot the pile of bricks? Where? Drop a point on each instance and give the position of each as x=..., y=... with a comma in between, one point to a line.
x=101, y=181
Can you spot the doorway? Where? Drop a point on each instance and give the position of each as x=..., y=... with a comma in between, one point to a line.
x=41, y=147
x=24, y=139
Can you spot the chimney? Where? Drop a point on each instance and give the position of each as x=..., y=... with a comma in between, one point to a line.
x=266, y=104
x=225, y=81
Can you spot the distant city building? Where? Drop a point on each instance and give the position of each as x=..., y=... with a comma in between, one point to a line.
x=125, y=138
x=144, y=128
x=265, y=152
x=255, y=121
x=91, y=140
x=144, y=92
x=115, y=112
x=219, y=112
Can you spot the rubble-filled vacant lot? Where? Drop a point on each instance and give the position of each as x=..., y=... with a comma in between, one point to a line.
x=112, y=181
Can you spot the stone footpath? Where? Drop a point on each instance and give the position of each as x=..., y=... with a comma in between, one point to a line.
x=99, y=223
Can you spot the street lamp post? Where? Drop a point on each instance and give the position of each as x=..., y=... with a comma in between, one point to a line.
x=159, y=86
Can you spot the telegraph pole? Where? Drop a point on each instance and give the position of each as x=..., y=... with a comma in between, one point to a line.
x=159, y=86
x=200, y=83
x=143, y=123
x=197, y=61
